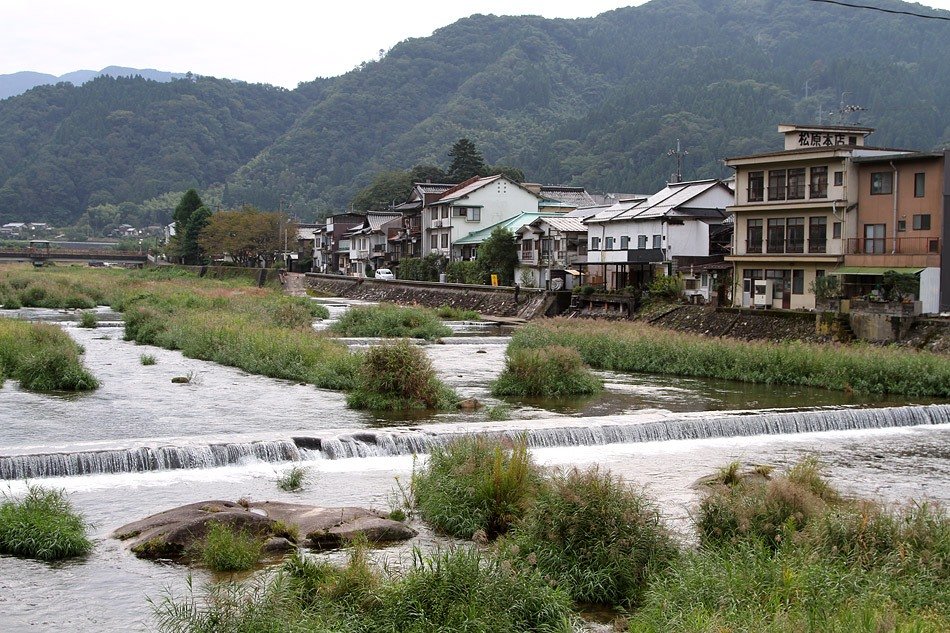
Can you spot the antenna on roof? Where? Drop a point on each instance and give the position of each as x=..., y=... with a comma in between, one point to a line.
x=679, y=153
x=846, y=109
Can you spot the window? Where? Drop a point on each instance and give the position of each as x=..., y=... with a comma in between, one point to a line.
x=836, y=230
x=434, y=241
x=609, y=244
x=445, y=212
x=839, y=178
x=458, y=212
x=779, y=277
x=657, y=241
x=874, y=239
x=754, y=236
x=777, y=184
x=819, y=273
x=881, y=183
x=919, y=185
x=796, y=184
x=798, y=282
x=795, y=235
x=595, y=243
x=625, y=242
x=756, y=185
x=901, y=226
x=776, y=236
x=474, y=215
x=922, y=222
x=435, y=213
x=818, y=188
x=704, y=280
x=748, y=276
x=817, y=234
x=445, y=240
x=933, y=246
x=641, y=241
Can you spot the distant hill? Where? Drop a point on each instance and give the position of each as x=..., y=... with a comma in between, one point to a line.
x=18, y=83
x=594, y=102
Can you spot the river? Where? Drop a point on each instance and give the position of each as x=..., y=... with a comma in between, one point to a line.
x=141, y=444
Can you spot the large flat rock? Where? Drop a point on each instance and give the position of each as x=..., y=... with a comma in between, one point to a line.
x=177, y=533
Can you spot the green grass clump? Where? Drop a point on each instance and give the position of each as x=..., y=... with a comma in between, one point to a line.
x=636, y=347
x=594, y=536
x=226, y=549
x=42, y=525
x=449, y=313
x=553, y=371
x=767, y=511
x=147, y=359
x=88, y=320
x=293, y=479
x=390, y=321
x=42, y=357
x=499, y=413
x=475, y=485
x=399, y=376
x=460, y=590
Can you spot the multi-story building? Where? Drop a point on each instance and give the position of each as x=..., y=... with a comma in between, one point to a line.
x=331, y=250
x=408, y=242
x=795, y=211
x=369, y=240
x=903, y=223
x=470, y=207
x=548, y=249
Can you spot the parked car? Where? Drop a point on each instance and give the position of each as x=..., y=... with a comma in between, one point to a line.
x=385, y=273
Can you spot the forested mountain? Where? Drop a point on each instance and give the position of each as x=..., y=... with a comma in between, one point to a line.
x=594, y=102
x=18, y=83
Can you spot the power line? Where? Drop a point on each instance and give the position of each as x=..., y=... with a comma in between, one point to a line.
x=883, y=10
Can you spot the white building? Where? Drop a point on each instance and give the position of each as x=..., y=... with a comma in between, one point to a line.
x=368, y=241
x=632, y=241
x=470, y=207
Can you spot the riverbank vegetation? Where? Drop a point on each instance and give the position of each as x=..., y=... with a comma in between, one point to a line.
x=42, y=357
x=399, y=376
x=554, y=371
x=777, y=552
x=225, y=549
x=636, y=347
x=390, y=321
x=42, y=525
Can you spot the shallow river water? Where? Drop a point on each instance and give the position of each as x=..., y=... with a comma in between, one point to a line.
x=148, y=445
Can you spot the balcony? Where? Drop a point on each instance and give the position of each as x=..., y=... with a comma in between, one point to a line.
x=893, y=246
x=528, y=257
x=782, y=247
x=786, y=193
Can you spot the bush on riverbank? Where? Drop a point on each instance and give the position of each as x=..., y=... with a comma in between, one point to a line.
x=399, y=376
x=553, y=372
x=390, y=321
x=37, y=289
x=42, y=525
x=450, y=313
x=594, y=536
x=635, y=347
x=475, y=485
x=226, y=549
x=42, y=357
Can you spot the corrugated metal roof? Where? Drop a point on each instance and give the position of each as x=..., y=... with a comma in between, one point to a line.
x=377, y=220
x=567, y=225
x=671, y=200
x=512, y=224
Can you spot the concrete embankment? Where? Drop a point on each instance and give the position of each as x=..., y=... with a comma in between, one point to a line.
x=488, y=300
x=744, y=324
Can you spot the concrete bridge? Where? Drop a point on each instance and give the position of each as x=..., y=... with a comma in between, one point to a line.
x=40, y=256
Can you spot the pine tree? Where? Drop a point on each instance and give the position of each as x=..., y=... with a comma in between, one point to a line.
x=190, y=202
x=467, y=161
x=191, y=250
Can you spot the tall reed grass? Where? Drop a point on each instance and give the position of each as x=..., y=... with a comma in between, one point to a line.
x=42, y=525
x=42, y=357
x=390, y=321
x=552, y=372
x=399, y=376
x=635, y=347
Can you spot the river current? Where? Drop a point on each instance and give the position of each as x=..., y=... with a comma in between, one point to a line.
x=141, y=444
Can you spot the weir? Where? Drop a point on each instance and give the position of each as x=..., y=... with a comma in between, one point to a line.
x=562, y=432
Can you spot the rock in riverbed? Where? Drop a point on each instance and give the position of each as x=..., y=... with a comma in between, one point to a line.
x=175, y=533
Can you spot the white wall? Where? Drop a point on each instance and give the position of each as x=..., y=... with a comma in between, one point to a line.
x=930, y=290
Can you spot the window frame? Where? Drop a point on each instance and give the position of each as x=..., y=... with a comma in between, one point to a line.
x=882, y=183
x=920, y=184
x=921, y=222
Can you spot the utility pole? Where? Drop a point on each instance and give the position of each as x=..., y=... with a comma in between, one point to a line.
x=679, y=153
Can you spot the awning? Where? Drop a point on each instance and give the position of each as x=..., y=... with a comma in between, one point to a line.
x=877, y=272
x=571, y=271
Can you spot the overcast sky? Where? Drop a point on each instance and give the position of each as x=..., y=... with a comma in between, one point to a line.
x=271, y=41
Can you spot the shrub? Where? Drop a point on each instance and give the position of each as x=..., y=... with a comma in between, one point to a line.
x=499, y=413
x=465, y=272
x=88, y=320
x=769, y=511
x=42, y=357
x=474, y=484
x=147, y=359
x=594, y=536
x=450, y=313
x=42, y=525
x=293, y=479
x=667, y=287
x=549, y=371
x=399, y=376
x=390, y=321
x=226, y=549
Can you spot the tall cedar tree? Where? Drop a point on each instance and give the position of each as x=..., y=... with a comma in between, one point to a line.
x=191, y=250
x=498, y=255
x=467, y=161
x=190, y=202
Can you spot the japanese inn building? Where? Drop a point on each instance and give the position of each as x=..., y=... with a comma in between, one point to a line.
x=797, y=217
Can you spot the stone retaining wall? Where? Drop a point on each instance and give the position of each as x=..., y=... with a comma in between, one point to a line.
x=495, y=301
x=743, y=324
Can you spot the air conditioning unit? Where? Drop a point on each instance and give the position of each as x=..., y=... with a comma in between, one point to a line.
x=763, y=292
x=437, y=224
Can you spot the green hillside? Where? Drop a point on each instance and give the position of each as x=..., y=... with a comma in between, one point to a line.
x=594, y=102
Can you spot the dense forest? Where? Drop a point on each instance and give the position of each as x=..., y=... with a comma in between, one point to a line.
x=594, y=102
